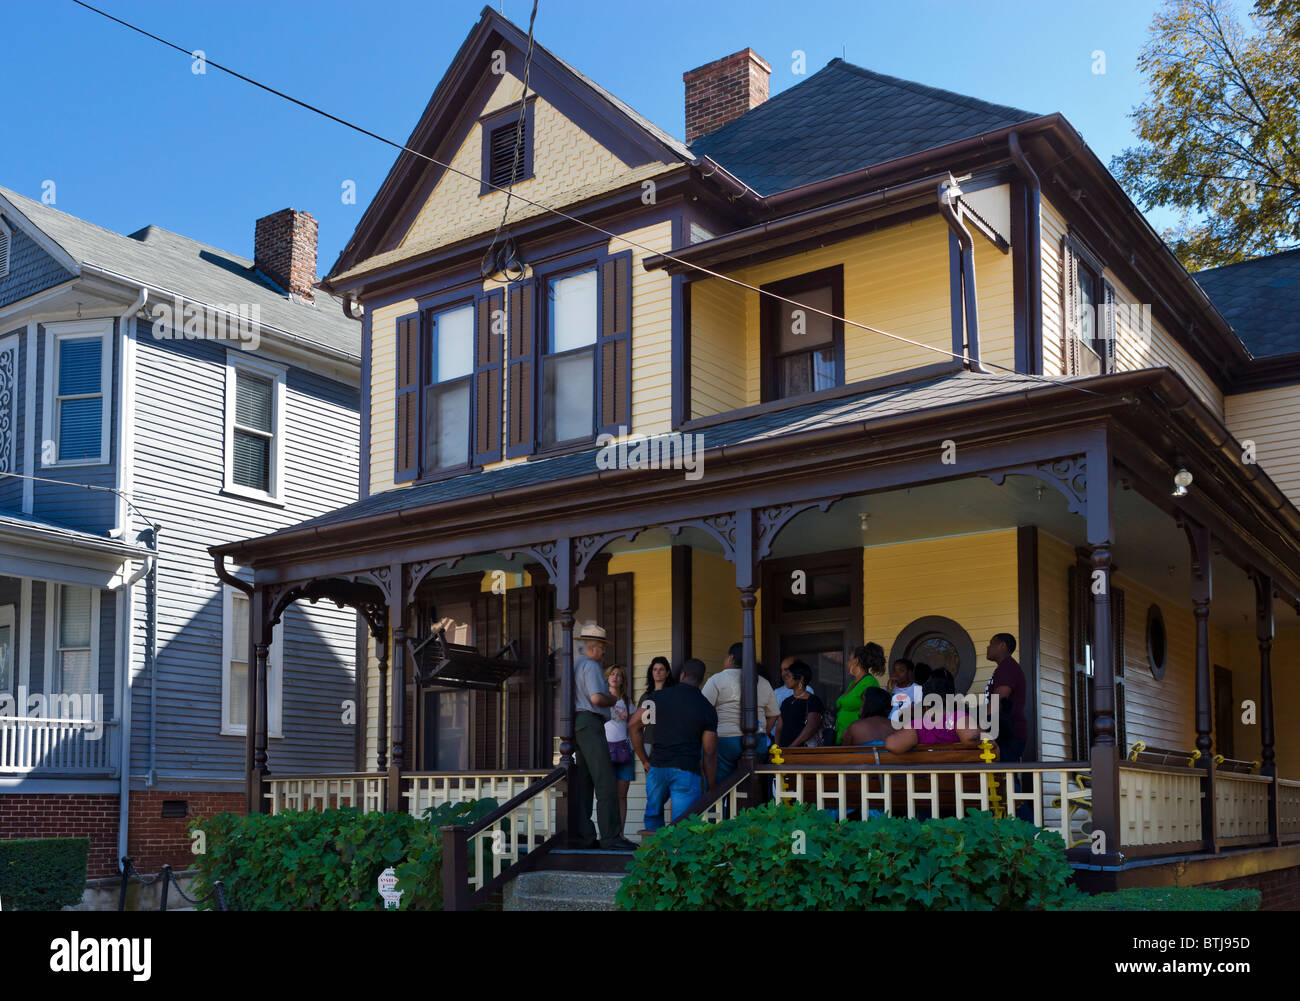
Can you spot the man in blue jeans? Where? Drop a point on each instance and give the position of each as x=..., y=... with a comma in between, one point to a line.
x=686, y=737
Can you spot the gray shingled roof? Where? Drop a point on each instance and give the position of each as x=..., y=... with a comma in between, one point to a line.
x=194, y=270
x=946, y=391
x=1261, y=299
x=844, y=118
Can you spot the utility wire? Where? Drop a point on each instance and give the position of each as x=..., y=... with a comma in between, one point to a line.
x=153, y=526
x=1047, y=380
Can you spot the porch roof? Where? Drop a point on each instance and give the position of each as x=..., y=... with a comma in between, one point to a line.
x=947, y=390
x=24, y=528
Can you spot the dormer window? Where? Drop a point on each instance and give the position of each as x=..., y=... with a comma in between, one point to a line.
x=803, y=346
x=500, y=167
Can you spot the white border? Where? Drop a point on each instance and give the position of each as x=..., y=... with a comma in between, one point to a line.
x=274, y=671
x=80, y=328
x=235, y=362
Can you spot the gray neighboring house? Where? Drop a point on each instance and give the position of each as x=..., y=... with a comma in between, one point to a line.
x=210, y=395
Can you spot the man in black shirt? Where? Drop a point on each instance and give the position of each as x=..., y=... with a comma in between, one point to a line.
x=686, y=731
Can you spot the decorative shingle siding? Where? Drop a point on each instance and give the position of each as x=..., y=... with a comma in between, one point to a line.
x=31, y=269
x=12, y=413
x=179, y=443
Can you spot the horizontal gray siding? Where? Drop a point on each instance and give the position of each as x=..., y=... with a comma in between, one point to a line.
x=31, y=269
x=88, y=510
x=179, y=467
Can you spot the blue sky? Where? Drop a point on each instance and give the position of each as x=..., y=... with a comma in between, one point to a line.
x=131, y=136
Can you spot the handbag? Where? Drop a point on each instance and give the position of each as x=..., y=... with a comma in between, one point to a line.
x=620, y=751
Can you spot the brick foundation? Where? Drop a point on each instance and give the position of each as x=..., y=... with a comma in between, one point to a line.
x=27, y=815
x=153, y=839
x=1279, y=889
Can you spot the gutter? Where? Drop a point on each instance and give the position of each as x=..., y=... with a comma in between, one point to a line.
x=250, y=731
x=124, y=752
x=950, y=209
x=306, y=343
x=151, y=652
x=1033, y=254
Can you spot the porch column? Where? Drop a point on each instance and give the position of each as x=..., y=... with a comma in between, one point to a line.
x=1198, y=537
x=564, y=601
x=397, y=615
x=1264, y=633
x=262, y=630
x=1104, y=755
x=749, y=663
x=381, y=739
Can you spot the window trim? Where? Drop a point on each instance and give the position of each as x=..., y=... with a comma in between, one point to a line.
x=769, y=310
x=78, y=330
x=237, y=361
x=54, y=604
x=492, y=121
x=274, y=671
x=465, y=298
x=9, y=617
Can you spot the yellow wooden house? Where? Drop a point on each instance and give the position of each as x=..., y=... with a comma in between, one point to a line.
x=1005, y=407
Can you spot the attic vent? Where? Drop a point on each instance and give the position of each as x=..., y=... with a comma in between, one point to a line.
x=4, y=250
x=502, y=155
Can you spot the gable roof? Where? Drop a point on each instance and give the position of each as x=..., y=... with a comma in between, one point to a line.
x=194, y=270
x=449, y=102
x=1261, y=299
x=843, y=118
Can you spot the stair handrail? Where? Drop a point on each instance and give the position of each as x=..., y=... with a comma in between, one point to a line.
x=457, y=894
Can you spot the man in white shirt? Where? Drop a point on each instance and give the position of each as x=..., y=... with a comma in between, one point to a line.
x=723, y=692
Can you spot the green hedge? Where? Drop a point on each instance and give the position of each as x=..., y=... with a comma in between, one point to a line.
x=328, y=860
x=1168, y=898
x=42, y=874
x=753, y=862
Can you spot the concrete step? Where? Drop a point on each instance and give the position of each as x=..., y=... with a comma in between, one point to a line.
x=562, y=891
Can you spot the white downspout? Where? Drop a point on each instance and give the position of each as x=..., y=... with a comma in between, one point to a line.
x=125, y=481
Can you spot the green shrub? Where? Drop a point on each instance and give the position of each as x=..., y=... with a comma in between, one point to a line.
x=42, y=874
x=752, y=862
x=1168, y=898
x=328, y=860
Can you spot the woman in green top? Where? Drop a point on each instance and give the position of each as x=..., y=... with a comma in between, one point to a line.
x=866, y=664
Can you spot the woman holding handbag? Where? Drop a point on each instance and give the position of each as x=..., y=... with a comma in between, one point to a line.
x=620, y=748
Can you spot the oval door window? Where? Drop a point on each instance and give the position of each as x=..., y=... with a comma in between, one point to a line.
x=939, y=642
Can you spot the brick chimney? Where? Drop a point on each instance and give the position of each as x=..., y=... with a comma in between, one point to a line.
x=723, y=90
x=284, y=249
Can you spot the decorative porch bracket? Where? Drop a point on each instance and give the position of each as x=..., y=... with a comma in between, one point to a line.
x=1068, y=476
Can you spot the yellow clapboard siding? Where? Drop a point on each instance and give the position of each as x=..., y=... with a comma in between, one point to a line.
x=652, y=596
x=996, y=302
x=564, y=158
x=1271, y=419
x=1054, y=679
x=970, y=579
x=715, y=609
x=1134, y=348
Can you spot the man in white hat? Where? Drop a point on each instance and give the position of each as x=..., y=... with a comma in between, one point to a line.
x=595, y=771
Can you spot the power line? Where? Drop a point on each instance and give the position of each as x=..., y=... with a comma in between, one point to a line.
x=1047, y=380
x=88, y=486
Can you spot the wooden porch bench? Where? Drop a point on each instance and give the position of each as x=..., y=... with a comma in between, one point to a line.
x=920, y=761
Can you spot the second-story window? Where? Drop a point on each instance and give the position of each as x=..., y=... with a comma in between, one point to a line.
x=79, y=361
x=803, y=346
x=447, y=396
x=254, y=427
x=569, y=366
x=1089, y=315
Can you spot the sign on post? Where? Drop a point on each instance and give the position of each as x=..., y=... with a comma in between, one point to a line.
x=388, y=888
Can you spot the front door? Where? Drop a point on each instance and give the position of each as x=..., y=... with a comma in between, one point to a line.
x=812, y=609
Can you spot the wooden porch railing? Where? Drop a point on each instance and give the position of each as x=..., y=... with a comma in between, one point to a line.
x=481, y=857
x=362, y=790
x=1288, y=810
x=1160, y=808
x=66, y=746
x=432, y=789
x=1052, y=790
x=1241, y=808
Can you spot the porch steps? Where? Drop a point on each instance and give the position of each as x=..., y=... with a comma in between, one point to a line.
x=555, y=890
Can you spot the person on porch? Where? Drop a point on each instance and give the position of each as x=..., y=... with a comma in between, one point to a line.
x=800, y=724
x=866, y=667
x=686, y=743
x=786, y=689
x=723, y=692
x=595, y=771
x=1008, y=684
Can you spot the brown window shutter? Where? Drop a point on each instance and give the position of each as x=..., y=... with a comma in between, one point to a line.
x=521, y=437
x=615, y=344
x=1108, y=329
x=1070, y=307
x=521, y=619
x=616, y=619
x=1117, y=630
x=1081, y=690
x=487, y=378
x=407, y=431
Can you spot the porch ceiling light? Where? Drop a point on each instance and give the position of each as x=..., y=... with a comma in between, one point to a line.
x=1182, y=480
